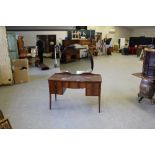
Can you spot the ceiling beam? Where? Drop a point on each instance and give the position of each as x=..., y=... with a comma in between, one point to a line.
x=40, y=28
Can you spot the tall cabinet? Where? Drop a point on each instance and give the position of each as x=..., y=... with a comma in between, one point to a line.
x=5, y=65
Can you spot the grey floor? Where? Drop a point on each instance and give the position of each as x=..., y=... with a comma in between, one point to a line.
x=27, y=105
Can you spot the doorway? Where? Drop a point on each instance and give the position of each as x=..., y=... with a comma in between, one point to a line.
x=49, y=42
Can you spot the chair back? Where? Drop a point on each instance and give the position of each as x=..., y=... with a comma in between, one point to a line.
x=1, y=115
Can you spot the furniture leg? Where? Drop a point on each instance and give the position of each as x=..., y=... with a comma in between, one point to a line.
x=50, y=100
x=99, y=102
x=100, y=98
x=140, y=99
x=55, y=96
x=55, y=87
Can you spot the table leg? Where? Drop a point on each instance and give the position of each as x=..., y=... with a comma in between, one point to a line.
x=55, y=96
x=55, y=90
x=99, y=98
x=99, y=102
x=50, y=100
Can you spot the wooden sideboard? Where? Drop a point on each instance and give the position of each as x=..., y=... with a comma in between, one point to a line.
x=60, y=81
x=69, y=54
x=81, y=42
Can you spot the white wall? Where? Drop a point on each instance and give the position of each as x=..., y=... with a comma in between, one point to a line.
x=120, y=32
x=147, y=32
x=30, y=36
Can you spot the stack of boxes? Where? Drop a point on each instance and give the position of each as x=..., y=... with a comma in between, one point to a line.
x=20, y=71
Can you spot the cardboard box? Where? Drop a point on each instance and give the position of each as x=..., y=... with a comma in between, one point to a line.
x=20, y=71
x=21, y=63
x=116, y=48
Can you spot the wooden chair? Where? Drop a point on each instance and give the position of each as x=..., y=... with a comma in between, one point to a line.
x=21, y=49
x=5, y=124
x=1, y=115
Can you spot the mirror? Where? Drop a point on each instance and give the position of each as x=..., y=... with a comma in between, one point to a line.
x=75, y=59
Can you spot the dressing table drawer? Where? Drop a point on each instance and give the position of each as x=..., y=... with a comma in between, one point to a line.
x=56, y=87
x=93, y=89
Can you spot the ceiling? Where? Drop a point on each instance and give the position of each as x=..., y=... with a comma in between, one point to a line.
x=139, y=27
x=58, y=28
x=40, y=28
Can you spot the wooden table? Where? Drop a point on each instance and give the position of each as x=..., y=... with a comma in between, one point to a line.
x=60, y=81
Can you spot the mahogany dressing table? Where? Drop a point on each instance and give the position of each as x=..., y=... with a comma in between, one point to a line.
x=60, y=81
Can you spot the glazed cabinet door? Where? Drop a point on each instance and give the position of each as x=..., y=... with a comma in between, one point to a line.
x=12, y=45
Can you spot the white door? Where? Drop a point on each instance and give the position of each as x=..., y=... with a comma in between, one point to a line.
x=122, y=43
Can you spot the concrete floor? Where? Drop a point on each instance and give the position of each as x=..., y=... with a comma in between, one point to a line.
x=27, y=105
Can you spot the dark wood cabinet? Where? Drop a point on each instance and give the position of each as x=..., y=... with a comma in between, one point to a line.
x=81, y=42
